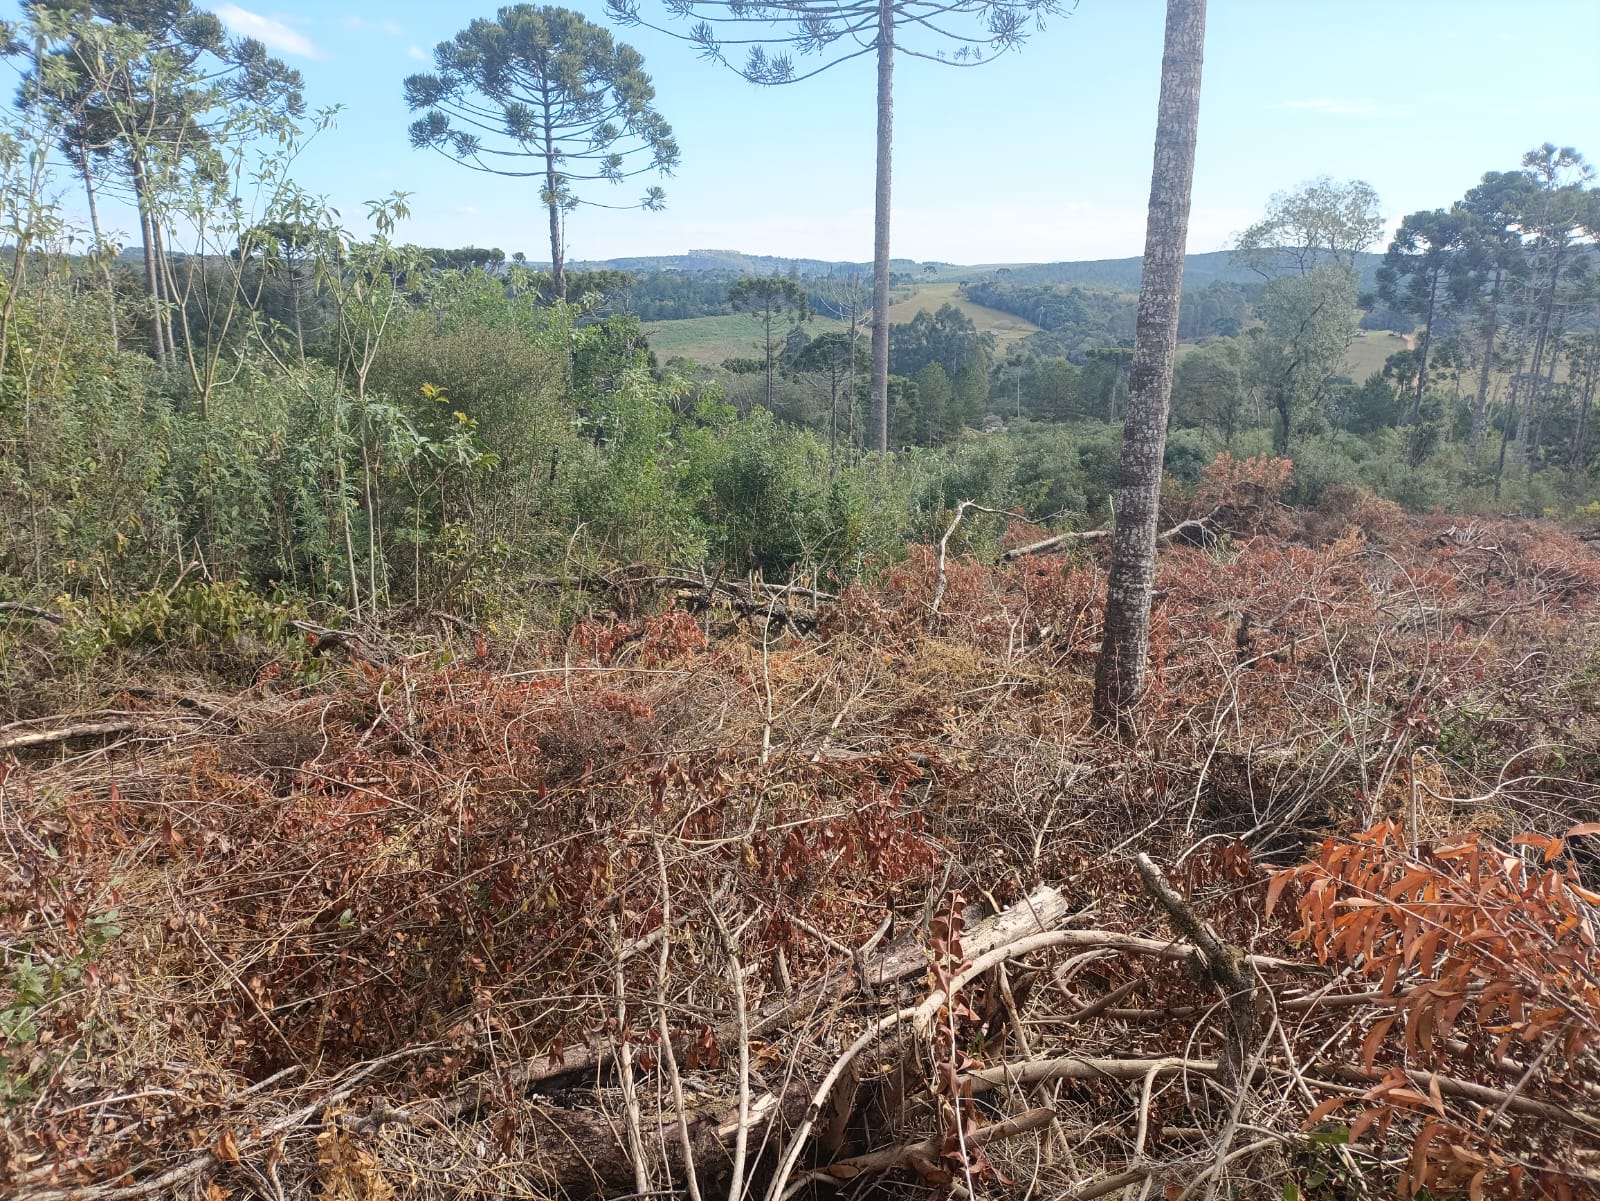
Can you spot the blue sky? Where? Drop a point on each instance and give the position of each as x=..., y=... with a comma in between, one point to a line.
x=1043, y=155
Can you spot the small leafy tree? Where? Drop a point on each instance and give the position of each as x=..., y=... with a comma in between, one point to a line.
x=157, y=97
x=547, y=85
x=1324, y=222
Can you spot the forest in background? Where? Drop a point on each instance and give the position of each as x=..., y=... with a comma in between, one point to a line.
x=452, y=749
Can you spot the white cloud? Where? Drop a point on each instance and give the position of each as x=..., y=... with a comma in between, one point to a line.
x=416, y=52
x=271, y=33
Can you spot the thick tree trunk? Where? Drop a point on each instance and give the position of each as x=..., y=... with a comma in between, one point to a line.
x=1480, y=406
x=880, y=241
x=1120, y=674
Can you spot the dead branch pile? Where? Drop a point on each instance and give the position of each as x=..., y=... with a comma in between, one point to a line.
x=771, y=914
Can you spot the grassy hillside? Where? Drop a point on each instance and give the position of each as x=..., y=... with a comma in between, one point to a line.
x=930, y=297
x=712, y=339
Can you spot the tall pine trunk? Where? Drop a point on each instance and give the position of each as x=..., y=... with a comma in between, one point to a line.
x=1424, y=344
x=879, y=433
x=1480, y=405
x=558, y=266
x=1119, y=679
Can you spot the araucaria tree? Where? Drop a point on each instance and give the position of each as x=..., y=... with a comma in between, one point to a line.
x=774, y=302
x=1415, y=279
x=1119, y=677
x=542, y=92
x=836, y=31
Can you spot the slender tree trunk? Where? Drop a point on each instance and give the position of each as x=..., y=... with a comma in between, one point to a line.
x=1120, y=674
x=152, y=280
x=1546, y=309
x=558, y=266
x=880, y=240
x=1511, y=413
x=767, y=326
x=99, y=244
x=1580, y=438
x=294, y=300
x=1480, y=406
x=1546, y=391
x=850, y=417
x=833, y=416
x=168, y=296
x=1413, y=453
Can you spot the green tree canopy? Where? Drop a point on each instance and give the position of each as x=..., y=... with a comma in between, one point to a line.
x=1324, y=222
x=542, y=92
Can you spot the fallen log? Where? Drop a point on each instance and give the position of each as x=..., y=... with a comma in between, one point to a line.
x=1197, y=531
x=22, y=610
x=888, y=1159
x=47, y=731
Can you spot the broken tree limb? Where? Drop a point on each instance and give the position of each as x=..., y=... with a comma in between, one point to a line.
x=1197, y=531
x=21, y=610
x=1227, y=965
x=1038, y=911
x=941, y=581
x=887, y=1159
x=1042, y=1071
x=1480, y=1094
x=23, y=734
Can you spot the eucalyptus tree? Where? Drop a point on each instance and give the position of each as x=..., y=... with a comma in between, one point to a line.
x=544, y=93
x=1119, y=679
x=1415, y=278
x=824, y=34
x=154, y=96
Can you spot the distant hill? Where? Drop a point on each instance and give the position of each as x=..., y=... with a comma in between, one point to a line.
x=732, y=260
x=1123, y=274
x=1118, y=275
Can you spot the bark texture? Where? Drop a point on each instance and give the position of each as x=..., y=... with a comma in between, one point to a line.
x=1120, y=673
